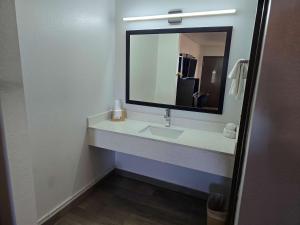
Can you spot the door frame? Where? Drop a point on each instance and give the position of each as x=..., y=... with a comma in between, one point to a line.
x=254, y=63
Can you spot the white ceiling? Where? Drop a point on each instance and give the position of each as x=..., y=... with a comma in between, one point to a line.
x=208, y=38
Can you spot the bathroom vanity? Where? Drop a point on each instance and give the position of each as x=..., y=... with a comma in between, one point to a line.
x=181, y=69
x=197, y=149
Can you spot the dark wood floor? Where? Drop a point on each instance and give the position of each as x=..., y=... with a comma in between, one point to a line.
x=121, y=201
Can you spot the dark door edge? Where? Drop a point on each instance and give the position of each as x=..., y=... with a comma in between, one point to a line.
x=255, y=56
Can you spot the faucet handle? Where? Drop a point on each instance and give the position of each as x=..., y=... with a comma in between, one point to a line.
x=168, y=117
x=168, y=113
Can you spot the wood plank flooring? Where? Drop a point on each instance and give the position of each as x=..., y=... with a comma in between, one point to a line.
x=122, y=201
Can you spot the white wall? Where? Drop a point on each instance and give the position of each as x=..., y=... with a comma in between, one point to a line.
x=167, y=64
x=213, y=50
x=67, y=53
x=152, y=79
x=143, y=67
x=243, y=23
x=14, y=116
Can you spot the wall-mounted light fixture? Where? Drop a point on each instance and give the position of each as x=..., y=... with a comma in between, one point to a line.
x=181, y=15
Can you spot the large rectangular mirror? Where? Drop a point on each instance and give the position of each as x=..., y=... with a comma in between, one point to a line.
x=178, y=68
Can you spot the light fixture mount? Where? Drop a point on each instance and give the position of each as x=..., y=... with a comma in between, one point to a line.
x=181, y=15
x=175, y=21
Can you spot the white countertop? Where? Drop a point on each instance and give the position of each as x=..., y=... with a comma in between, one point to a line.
x=201, y=139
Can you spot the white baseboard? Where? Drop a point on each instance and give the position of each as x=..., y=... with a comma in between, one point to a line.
x=70, y=199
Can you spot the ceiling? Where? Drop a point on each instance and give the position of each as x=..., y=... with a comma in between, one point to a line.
x=208, y=38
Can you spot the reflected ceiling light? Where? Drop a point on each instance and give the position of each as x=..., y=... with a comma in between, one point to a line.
x=181, y=15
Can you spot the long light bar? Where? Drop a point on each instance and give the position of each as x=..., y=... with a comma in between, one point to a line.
x=181, y=15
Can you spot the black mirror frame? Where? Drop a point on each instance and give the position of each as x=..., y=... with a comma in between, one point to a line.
x=227, y=29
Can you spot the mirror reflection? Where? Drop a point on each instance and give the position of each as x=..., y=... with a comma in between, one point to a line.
x=184, y=69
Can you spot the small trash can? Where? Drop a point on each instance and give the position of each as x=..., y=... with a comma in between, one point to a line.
x=216, y=209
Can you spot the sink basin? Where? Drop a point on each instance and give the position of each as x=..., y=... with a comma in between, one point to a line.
x=162, y=132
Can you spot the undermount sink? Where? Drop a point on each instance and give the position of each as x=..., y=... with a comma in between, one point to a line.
x=162, y=132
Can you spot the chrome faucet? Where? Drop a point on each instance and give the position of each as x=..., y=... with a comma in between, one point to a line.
x=168, y=117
